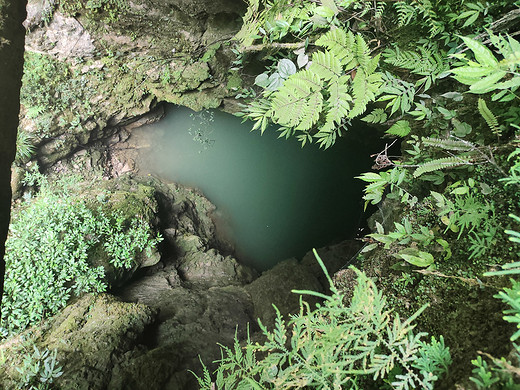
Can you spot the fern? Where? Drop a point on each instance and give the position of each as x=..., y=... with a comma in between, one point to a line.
x=488, y=116
x=326, y=65
x=398, y=93
x=338, y=104
x=250, y=25
x=439, y=164
x=334, y=346
x=405, y=13
x=400, y=128
x=378, y=115
x=429, y=61
x=448, y=144
x=379, y=9
x=409, y=11
x=338, y=85
x=340, y=43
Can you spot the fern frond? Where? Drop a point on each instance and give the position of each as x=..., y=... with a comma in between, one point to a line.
x=325, y=139
x=288, y=108
x=438, y=164
x=488, y=116
x=311, y=111
x=260, y=112
x=378, y=115
x=290, y=105
x=326, y=65
x=359, y=90
x=400, y=129
x=448, y=144
x=250, y=24
x=338, y=102
x=380, y=9
x=362, y=51
x=405, y=13
x=340, y=43
x=304, y=82
x=429, y=61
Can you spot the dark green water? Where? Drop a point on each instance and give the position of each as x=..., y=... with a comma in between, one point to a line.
x=277, y=199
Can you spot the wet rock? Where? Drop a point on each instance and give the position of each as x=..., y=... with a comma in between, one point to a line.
x=190, y=323
x=274, y=287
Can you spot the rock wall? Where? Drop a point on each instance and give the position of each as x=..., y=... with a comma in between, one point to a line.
x=114, y=66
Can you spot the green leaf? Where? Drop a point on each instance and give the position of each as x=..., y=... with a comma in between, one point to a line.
x=286, y=68
x=482, y=54
x=262, y=80
x=488, y=83
x=400, y=128
x=416, y=257
x=378, y=115
x=326, y=65
x=327, y=10
x=471, y=74
x=275, y=82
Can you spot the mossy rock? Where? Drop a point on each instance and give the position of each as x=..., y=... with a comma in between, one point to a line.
x=90, y=336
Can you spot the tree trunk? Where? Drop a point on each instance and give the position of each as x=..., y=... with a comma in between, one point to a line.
x=12, y=36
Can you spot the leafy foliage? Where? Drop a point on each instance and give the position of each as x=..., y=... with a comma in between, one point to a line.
x=39, y=370
x=24, y=146
x=112, y=8
x=378, y=183
x=53, y=240
x=502, y=373
x=316, y=102
x=486, y=73
x=429, y=61
x=400, y=128
x=439, y=164
x=488, y=116
x=334, y=346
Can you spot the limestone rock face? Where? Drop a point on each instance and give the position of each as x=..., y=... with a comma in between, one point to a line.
x=121, y=63
x=274, y=287
x=90, y=336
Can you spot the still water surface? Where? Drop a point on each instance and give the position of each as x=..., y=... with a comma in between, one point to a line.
x=278, y=200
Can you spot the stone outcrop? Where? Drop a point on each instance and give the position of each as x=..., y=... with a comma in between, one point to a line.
x=120, y=63
x=175, y=311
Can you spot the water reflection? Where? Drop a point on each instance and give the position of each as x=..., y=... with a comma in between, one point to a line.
x=280, y=200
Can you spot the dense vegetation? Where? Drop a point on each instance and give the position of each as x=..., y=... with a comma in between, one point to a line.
x=441, y=78
x=59, y=246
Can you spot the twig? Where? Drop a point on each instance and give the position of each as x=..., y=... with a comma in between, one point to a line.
x=508, y=367
x=497, y=25
x=274, y=45
x=473, y=282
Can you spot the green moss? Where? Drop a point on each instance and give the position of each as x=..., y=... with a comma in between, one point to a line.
x=234, y=81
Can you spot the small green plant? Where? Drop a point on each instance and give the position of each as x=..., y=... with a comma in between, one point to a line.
x=54, y=239
x=335, y=347
x=418, y=241
x=491, y=372
x=39, y=370
x=24, y=146
x=379, y=182
x=112, y=8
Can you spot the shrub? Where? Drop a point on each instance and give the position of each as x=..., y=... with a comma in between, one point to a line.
x=335, y=347
x=50, y=247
